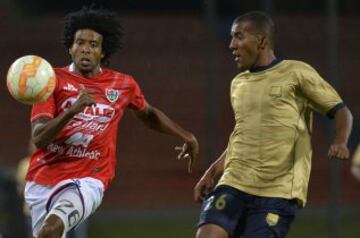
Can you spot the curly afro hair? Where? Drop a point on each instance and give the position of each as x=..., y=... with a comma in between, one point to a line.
x=102, y=21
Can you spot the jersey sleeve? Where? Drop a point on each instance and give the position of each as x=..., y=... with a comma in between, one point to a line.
x=137, y=101
x=322, y=96
x=45, y=109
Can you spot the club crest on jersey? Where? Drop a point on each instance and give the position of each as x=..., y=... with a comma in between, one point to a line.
x=112, y=94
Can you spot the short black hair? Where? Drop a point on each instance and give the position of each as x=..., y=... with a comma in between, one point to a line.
x=102, y=21
x=261, y=22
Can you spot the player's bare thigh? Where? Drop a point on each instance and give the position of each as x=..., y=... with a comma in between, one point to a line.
x=211, y=231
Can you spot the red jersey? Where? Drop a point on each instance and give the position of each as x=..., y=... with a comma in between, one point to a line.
x=86, y=146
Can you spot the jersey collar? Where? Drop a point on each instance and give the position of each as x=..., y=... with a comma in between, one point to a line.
x=261, y=68
x=71, y=68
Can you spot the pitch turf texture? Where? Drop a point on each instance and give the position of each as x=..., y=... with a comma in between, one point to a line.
x=302, y=227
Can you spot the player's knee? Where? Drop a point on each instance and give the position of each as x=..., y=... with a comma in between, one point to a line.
x=52, y=228
x=211, y=231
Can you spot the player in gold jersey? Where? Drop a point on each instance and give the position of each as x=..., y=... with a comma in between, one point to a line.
x=355, y=165
x=264, y=171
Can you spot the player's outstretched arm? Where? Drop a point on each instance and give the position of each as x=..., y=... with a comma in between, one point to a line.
x=208, y=180
x=157, y=120
x=343, y=125
x=45, y=129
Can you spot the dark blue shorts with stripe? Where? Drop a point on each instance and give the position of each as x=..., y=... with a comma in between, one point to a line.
x=247, y=216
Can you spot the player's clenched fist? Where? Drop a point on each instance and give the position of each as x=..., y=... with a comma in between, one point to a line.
x=339, y=150
x=85, y=99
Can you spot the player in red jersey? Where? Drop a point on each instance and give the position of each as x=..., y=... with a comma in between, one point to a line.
x=75, y=130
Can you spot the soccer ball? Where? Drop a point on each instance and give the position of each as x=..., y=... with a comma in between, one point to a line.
x=31, y=79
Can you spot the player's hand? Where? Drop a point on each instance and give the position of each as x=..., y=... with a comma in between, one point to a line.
x=189, y=151
x=204, y=186
x=339, y=151
x=84, y=99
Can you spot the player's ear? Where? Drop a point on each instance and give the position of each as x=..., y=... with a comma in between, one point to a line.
x=262, y=41
x=70, y=52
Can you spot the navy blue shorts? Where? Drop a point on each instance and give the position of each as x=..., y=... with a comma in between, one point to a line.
x=249, y=216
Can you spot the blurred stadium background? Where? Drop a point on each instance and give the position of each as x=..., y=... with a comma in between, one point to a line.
x=178, y=52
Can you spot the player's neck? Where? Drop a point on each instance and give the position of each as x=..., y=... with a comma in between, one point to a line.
x=85, y=74
x=265, y=59
x=88, y=74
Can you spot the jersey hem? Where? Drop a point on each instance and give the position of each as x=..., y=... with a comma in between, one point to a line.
x=266, y=193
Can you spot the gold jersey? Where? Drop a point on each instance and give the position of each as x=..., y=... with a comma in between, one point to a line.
x=269, y=150
x=356, y=158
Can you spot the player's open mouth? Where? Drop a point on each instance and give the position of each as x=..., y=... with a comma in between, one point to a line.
x=237, y=57
x=85, y=61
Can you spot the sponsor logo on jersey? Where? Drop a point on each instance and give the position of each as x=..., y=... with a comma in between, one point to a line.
x=74, y=151
x=99, y=112
x=112, y=94
x=70, y=87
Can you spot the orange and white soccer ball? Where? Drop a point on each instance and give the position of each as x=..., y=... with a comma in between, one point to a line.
x=31, y=79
